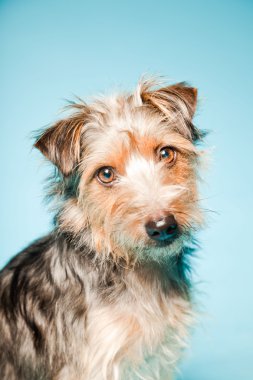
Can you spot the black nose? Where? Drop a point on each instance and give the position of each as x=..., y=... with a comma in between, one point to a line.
x=163, y=229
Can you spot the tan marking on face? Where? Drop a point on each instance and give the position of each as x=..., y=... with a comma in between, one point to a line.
x=145, y=187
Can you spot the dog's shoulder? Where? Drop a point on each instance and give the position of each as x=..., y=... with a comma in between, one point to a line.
x=29, y=255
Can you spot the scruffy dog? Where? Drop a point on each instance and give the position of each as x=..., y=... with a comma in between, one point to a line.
x=107, y=295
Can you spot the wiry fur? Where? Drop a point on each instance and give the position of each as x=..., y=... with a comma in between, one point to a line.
x=97, y=299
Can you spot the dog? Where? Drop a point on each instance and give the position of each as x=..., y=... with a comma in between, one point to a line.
x=107, y=294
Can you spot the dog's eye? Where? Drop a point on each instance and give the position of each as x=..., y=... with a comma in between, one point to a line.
x=167, y=154
x=105, y=175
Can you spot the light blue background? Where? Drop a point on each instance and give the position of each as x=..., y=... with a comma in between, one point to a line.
x=51, y=50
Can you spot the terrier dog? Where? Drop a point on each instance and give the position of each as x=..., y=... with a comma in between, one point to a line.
x=107, y=295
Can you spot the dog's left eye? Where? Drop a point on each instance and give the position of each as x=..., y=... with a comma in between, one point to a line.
x=106, y=175
x=167, y=154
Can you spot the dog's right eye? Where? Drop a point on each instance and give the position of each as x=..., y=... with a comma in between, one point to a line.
x=106, y=175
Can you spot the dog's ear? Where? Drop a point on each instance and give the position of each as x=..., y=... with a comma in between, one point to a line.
x=178, y=98
x=61, y=143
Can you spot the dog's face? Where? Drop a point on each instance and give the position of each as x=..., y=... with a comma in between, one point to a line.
x=128, y=167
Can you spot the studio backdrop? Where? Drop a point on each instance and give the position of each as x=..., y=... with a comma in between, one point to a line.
x=53, y=50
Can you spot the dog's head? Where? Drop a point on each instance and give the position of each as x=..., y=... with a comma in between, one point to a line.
x=127, y=169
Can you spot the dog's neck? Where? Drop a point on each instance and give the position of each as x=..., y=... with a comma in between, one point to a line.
x=171, y=272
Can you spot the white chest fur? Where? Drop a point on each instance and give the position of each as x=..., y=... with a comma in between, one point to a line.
x=136, y=336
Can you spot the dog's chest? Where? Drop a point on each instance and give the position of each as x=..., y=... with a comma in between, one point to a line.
x=139, y=328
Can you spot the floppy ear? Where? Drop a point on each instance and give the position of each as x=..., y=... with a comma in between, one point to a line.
x=178, y=98
x=61, y=143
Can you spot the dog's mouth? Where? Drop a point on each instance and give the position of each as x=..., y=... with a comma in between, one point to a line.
x=163, y=243
x=166, y=243
x=159, y=250
x=169, y=240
